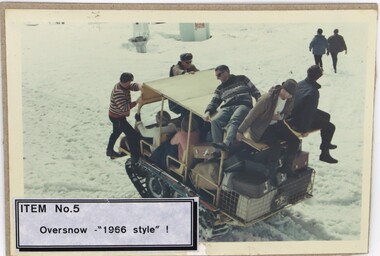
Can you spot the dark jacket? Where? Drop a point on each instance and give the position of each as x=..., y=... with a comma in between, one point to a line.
x=259, y=118
x=306, y=101
x=177, y=70
x=318, y=44
x=236, y=91
x=336, y=44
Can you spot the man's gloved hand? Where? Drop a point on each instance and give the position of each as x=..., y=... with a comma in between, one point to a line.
x=138, y=117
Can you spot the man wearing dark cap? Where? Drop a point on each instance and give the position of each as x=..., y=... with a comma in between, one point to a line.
x=336, y=44
x=306, y=116
x=182, y=67
x=265, y=124
x=119, y=109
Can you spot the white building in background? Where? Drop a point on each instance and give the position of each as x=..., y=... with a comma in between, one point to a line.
x=194, y=31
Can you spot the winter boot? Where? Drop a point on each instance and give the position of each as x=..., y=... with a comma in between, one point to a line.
x=221, y=146
x=326, y=157
x=215, y=155
x=112, y=154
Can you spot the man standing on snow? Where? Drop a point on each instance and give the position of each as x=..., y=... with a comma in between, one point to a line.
x=236, y=92
x=265, y=124
x=336, y=44
x=306, y=116
x=184, y=66
x=119, y=109
x=319, y=46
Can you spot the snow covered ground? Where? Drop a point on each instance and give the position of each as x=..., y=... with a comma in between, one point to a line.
x=68, y=72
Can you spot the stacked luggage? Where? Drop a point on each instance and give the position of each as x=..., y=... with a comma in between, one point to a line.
x=246, y=191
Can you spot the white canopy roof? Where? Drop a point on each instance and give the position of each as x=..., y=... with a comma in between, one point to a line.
x=191, y=91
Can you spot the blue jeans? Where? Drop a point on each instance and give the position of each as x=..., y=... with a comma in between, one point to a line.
x=230, y=117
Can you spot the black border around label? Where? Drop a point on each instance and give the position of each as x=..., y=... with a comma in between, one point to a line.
x=193, y=245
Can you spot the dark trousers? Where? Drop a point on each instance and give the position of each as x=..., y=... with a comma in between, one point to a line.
x=273, y=135
x=322, y=121
x=121, y=125
x=160, y=154
x=318, y=60
x=174, y=107
x=334, y=57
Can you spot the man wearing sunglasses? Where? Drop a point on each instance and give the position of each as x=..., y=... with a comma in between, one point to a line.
x=236, y=91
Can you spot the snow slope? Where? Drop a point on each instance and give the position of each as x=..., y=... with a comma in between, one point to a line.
x=68, y=75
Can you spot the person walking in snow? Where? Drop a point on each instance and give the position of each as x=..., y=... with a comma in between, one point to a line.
x=336, y=44
x=318, y=47
x=265, y=123
x=306, y=116
x=236, y=92
x=119, y=109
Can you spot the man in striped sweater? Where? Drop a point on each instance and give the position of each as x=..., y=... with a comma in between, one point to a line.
x=236, y=92
x=120, y=106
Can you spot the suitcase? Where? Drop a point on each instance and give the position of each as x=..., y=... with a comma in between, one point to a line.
x=300, y=186
x=252, y=166
x=260, y=156
x=203, y=151
x=227, y=181
x=234, y=163
x=237, y=162
x=205, y=175
x=250, y=184
x=301, y=161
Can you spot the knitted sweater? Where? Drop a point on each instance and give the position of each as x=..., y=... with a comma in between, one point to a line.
x=120, y=100
x=236, y=91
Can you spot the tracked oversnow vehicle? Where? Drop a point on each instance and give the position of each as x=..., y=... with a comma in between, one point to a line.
x=233, y=190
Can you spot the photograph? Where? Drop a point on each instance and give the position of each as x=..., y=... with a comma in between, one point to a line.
x=265, y=114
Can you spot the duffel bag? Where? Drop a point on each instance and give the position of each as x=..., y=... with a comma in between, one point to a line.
x=205, y=175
